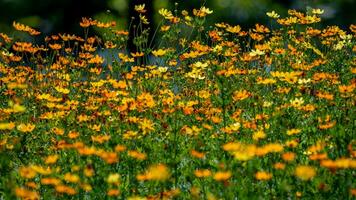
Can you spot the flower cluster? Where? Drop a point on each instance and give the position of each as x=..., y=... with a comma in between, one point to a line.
x=264, y=112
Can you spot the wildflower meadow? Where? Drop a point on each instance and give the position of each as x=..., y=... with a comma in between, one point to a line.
x=205, y=112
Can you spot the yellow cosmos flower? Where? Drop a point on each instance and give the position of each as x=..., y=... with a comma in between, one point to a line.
x=166, y=13
x=297, y=102
x=26, y=127
x=143, y=19
x=7, y=125
x=273, y=14
x=140, y=8
x=113, y=179
x=256, y=52
x=18, y=108
x=202, y=12
x=165, y=28
x=318, y=11
x=305, y=172
x=159, y=52
x=293, y=131
x=259, y=135
x=234, y=29
x=71, y=178
x=158, y=172
x=62, y=90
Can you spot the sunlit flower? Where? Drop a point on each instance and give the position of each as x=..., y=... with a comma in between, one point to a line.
x=305, y=172
x=297, y=102
x=113, y=179
x=140, y=8
x=26, y=127
x=272, y=14
x=22, y=27
x=233, y=29
x=258, y=135
x=51, y=159
x=202, y=12
x=317, y=11
x=27, y=172
x=7, y=125
x=166, y=13
x=71, y=178
x=201, y=173
x=241, y=95
x=113, y=192
x=293, y=131
x=222, y=175
x=65, y=189
x=159, y=52
x=288, y=156
x=158, y=172
x=26, y=194
x=143, y=19
x=263, y=176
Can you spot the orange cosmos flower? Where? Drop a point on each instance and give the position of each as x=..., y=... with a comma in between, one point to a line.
x=71, y=178
x=26, y=194
x=27, y=172
x=113, y=192
x=96, y=60
x=65, y=189
x=22, y=27
x=263, y=176
x=346, y=88
x=288, y=156
x=137, y=54
x=137, y=155
x=241, y=95
x=279, y=166
x=86, y=22
x=233, y=29
x=106, y=25
x=55, y=46
x=202, y=12
x=100, y=138
x=201, y=173
x=5, y=37
x=197, y=154
x=158, y=172
x=51, y=159
x=50, y=181
x=222, y=175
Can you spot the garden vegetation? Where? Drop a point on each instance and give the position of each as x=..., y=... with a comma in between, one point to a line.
x=205, y=112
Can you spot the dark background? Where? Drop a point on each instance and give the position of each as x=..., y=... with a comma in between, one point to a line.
x=59, y=16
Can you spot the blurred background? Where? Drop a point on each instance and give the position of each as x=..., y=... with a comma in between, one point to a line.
x=59, y=16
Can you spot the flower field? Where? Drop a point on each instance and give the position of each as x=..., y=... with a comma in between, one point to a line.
x=207, y=112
